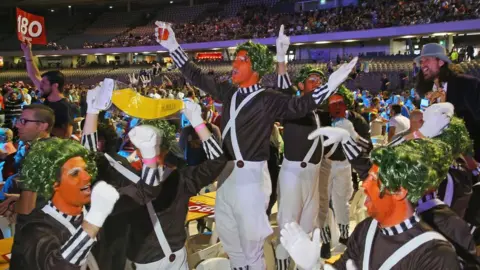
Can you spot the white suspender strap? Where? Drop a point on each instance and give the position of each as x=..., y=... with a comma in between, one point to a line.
x=409, y=247
x=312, y=149
x=368, y=244
x=121, y=169
x=234, y=112
x=157, y=227
x=449, y=189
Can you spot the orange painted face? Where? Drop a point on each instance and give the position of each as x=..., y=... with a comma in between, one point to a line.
x=385, y=209
x=75, y=183
x=242, y=72
x=337, y=107
x=312, y=82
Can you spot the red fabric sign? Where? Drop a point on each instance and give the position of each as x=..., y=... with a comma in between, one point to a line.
x=201, y=208
x=31, y=27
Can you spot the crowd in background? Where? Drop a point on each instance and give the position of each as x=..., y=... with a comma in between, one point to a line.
x=258, y=21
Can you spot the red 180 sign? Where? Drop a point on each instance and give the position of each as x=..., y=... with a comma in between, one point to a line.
x=31, y=27
x=201, y=208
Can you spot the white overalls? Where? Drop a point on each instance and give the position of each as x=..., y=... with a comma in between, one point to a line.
x=241, y=203
x=172, y=260
x=298, y=192
x=400, y=253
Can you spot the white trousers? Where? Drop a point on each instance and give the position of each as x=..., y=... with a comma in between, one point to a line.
x=240, y=214
x=180, y=262
x=298, y=198
x=340, y=188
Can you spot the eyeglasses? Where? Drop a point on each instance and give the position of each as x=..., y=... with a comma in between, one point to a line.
x=24, y=121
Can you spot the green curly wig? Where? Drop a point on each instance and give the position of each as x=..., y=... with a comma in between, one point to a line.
x=418, y=166
x=457, y=137
x=169, y=138
x=347, y=96
x=306, y=71
x=42, y=166
x=260, y=56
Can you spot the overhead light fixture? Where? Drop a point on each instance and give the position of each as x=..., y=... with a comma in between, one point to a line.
x=115, y=53
x=349, y=40
x=135, y=53
x=440, y=34
x=171, y=2
x=99, y=54
x=40, y=55
x=69, y=6
x=110, y=7
x=214, y=49
x=232, y=48
x=323, y=42
x=51, y=10
x=161, y=51
x=408, y=36
x=84, y=54
x=146, y=52
x=473, y=34
x=297, y=44
x=55, y=55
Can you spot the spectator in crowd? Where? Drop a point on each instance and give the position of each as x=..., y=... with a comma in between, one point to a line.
x=13, y=107
x=51, y=84
x=385, y=83
x=398, y=123
x=6, y=142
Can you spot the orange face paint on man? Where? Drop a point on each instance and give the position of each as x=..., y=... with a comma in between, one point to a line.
x=388, y=209
x=242, y=72
x=336, y=106
x=74, y=189
x=312, y=82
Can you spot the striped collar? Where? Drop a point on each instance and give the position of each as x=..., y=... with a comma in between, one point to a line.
x=67, y=217
x=402, y=227
x=427, y=197
x=250, y=89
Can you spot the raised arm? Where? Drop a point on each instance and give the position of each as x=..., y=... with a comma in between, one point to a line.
x=287, y=107
x=32, y=69
x=190, y=70
x=207, y=172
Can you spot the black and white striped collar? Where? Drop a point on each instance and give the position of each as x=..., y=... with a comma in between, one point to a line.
x=427, y=197
x=402, y=227
x=250, y=89
x=69, y=218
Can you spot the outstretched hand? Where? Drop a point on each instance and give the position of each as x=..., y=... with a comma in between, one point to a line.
x=166, y=39
x=282, y=44
x=305, y=252
x=340, y=75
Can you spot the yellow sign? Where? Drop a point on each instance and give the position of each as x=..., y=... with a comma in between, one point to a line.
x=136, y=105
x=206, y=200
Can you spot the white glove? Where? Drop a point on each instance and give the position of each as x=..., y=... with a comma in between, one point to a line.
x=349, y=266
x=133, y=79
x=346, y=125
x=103, y=199
x=439, y=108
x=434, y=125
x=145, y=80
x=91, y=95
x=103, y=99
x=193, y=112
x=282, y=44
x=340, y=75
x=334, y=134
x=146, y=138
x=171, y=43
x=304, y=252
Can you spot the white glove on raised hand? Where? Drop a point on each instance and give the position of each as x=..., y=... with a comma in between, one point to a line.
x=340, y=75
x=133, y=79
x=146, y=138
x=193, y=112
x=334, y=134
x=145, y=80
x=91, y=95
x=283, y=41
x=170, y=43
x=304, y=252
x=103, y=99
x=103, y=199
x=346, y=125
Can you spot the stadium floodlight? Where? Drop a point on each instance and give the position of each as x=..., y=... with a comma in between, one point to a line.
x=323, y=42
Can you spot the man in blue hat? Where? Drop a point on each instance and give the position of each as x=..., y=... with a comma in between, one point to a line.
x=440, y=84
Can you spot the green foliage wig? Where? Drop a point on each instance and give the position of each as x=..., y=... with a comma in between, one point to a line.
x=169, y=138
x=347, y=96
x=42, y=166
x=306, y=71
x=418, y=166
x=457, y=137
x=260, y=56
